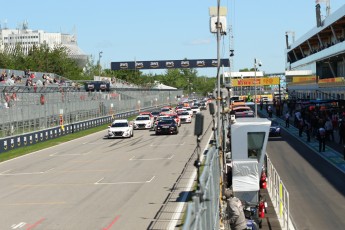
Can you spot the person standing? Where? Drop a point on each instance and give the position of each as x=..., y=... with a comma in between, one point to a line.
x=236, y=214
x=341, y=132
x=321, y=136
x=307, y=129
x=287, y=119
x=329, y=130
x=270, y=111
x=300, y=127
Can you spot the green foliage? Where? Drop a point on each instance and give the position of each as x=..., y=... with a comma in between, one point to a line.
x=56, y=60
x=42, y=59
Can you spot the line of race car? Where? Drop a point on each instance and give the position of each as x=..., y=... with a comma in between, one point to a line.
x=165, y=120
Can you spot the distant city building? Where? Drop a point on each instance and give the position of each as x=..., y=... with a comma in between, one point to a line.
x=27, y=38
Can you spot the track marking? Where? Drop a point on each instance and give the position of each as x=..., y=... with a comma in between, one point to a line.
x=20, y=225
x=25, y=173
x=69, y=154
x=152, y=145
x=151, y=159
x=124, y=182
x=35, y=203
x=112, y=223
x=35, y=224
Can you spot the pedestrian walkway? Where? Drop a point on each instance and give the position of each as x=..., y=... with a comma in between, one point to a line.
x=334, y=152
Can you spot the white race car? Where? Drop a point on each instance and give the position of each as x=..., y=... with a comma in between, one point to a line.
x=185, y=117
x=143, y=122
x=120, y=128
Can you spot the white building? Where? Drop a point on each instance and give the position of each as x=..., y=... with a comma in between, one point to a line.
x=27, y=38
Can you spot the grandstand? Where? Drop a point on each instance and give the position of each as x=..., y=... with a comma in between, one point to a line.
x=315, y=63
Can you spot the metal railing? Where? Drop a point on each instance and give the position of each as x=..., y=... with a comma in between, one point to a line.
x=279, y=196
x=203, y=212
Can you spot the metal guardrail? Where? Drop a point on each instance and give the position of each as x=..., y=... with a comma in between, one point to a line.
x=27, y=109
x=279, y=196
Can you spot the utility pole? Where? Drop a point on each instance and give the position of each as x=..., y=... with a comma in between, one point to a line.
x=99, y=62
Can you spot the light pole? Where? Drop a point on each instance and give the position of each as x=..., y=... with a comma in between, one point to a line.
x=241, y=86
x=256, y=62
x=99, y=62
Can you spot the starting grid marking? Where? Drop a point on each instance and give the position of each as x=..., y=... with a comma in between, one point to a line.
x=123, y=182
x=151, y=159
x=5, y=173
x=153, y=145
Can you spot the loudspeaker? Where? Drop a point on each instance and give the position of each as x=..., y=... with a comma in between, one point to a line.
x=211, y=108
x=199, y=124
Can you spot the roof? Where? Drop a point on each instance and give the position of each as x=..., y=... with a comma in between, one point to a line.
x=120, y=121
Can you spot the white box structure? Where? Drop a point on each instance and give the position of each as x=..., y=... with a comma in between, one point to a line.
x=249, y=138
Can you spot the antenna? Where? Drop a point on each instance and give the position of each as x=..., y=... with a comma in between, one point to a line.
x=292, y=33
x=328, y=6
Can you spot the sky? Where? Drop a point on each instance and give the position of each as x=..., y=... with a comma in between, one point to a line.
x=137, y=30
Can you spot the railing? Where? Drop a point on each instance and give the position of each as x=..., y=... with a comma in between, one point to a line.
x=279, y=196
x=203, y=212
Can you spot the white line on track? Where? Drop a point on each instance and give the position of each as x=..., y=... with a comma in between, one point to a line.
x=163, y=145
x=69, y=154
x=151, y=159
x=25, y=173
x=124, y=182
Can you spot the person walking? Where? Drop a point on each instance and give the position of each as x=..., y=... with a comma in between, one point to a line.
x=287, y=119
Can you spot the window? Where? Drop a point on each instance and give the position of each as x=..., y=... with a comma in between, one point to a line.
x=255, y=144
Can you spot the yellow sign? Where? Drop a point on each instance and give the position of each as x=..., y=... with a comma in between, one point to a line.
x=332, y=80
x=260, y=81
x=303, y=79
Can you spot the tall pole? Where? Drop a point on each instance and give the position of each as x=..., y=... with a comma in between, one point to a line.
x=99, y=62
x=256, y=105
x=218, y=69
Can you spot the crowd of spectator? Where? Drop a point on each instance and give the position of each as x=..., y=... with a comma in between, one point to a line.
x=311, y=120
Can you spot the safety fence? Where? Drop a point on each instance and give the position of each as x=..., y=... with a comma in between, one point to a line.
x=26, y=110
x=203, y=211
x=279, y=196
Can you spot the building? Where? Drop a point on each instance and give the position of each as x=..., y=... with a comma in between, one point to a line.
x=28, y=38
x=315, y=63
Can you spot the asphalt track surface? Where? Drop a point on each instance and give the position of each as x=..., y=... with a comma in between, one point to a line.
x=95, y=183
x=315, y=183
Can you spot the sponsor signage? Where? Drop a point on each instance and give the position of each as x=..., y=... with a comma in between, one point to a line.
x=259, y=81
x=303, y=79
x=195, y=63
x=332, y=80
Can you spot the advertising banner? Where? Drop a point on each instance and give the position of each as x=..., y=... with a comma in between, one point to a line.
x=168, y=64
x=260, y=81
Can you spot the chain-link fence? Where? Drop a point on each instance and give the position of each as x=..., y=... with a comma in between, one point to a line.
x=203, y=212
x=28, y=109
